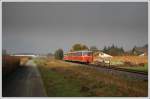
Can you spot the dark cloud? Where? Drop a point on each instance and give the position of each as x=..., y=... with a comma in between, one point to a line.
x=44, y=27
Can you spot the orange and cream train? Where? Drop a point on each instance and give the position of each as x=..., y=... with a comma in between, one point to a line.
x=79, y=56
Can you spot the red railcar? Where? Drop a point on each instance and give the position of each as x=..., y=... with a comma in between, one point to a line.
x=79, y=56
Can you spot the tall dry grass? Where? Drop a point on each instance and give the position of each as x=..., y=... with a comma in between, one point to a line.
x=131, y=59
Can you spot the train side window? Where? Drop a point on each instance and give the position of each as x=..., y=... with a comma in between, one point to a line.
x=80, y=53
x=84, y=53
x=87, y=53
x=77, y=53
x=73, y=54
x=69, y=54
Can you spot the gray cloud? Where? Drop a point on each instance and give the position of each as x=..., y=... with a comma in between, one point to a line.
x=44, y=27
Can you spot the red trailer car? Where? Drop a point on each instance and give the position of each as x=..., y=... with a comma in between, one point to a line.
x=79, y=56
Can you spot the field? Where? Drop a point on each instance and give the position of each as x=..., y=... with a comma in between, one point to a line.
x=135, y=60
x=68, y=79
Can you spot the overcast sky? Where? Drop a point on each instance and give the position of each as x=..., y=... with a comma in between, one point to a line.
x=44, y=27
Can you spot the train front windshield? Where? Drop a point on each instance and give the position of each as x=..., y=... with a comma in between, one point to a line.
x=86, y=53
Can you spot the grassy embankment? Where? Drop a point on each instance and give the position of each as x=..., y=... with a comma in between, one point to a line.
x=67, y=79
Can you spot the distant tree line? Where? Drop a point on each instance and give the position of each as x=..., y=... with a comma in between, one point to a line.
x=117, y=51
x=112, y=50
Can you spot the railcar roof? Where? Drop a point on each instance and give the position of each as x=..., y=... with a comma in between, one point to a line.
x=79, y=51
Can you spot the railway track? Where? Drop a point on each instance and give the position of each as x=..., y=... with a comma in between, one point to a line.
x=118, y=71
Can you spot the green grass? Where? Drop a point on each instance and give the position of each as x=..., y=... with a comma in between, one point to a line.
x=117, y=63
x=63, y=79
x=57, y=85
x=138, y=68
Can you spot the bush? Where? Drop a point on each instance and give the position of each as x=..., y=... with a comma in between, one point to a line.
x=59, y=54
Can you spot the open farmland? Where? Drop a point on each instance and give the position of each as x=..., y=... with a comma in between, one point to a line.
x=132, y=59
x=68, y=79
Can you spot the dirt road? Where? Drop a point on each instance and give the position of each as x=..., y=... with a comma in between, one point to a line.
x=24, y=82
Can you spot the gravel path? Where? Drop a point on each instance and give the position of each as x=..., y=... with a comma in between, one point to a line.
x=24, y=82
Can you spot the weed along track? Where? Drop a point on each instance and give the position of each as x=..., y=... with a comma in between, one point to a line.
x=72, y=79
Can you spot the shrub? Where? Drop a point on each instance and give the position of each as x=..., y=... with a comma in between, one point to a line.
x=59, y=54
